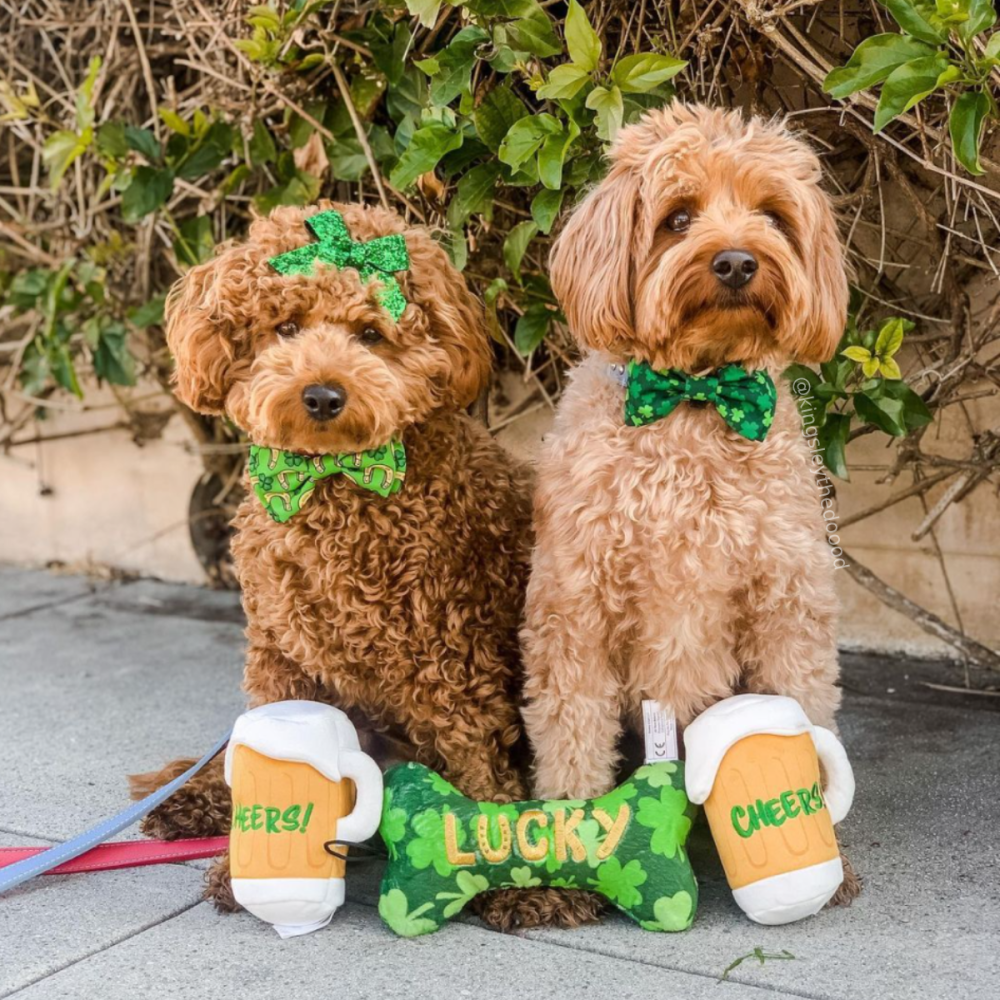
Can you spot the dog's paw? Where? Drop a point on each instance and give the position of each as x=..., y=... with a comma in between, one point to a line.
x=850, y=888
x=517, y=909
x=219, y=887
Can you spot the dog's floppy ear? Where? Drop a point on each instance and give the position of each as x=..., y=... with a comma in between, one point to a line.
x=456, y=318
x=818, y=335
x=202, y=352
x=591, y=262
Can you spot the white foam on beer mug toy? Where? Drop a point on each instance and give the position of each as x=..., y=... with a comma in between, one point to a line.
x=324, y=737
x=793, y=895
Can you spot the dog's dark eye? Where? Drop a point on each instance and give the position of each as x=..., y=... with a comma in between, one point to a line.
x=287, y=329
x=370, y=336
x=679, y=221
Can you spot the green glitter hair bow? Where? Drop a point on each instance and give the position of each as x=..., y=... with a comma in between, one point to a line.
x=380, y=257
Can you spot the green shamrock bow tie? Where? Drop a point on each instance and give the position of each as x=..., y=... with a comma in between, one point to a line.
x=284, y=481
x=745, y=400
x=381, y=256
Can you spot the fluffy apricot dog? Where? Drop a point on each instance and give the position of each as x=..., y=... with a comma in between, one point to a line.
x=680, y=556
x=395, y=589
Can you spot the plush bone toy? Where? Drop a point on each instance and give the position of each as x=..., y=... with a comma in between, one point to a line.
x=627, y=845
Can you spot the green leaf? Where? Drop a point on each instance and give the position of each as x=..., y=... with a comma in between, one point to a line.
x=531, y=328
x=552, y=155
x=640, y=73
x=859, y=354
x=835, y=433
x=426, y=11
x=455, y=65
x=497, y=112
x=27, y=287
x=148, y=314
x=84, y=96
x=143, y=141
x=966, y=127
x=389, y=52
x=915, y=411
x=890, y=337
x=202, y=161
x=261, y=146
x=534, y=34
x=919, y=19
x=194, y=242
x=581, y=39
x=113, y=361
x=885, y=413
x=981, y=15
x=564, y=82
x=147, y=191
x=111, y=140
x=347, y=159
x=545, y=208
x=502, y=8
x=59, y=152
x=173, y=121
x=889, y=368
x=60, y=363
x=910, y=83
x=423, y=153
x=525, y=137
x=873, y=60
x=516, y=244
x=992, y=52
x=473, y=193
x=609, y=108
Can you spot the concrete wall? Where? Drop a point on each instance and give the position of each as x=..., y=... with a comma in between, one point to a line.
x=109, y=503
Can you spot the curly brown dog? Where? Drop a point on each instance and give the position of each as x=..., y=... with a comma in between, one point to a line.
x=684, y=560
x=404, y=607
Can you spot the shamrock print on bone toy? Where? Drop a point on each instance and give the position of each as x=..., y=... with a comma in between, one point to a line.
x=627, y=845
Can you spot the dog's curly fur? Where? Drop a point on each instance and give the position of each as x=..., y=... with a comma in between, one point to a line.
x=404, y=609
x=679, y=561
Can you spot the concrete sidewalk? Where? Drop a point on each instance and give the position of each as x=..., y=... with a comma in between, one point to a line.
x=100, y=680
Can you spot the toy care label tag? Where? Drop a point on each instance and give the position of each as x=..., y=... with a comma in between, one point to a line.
x=660, y=727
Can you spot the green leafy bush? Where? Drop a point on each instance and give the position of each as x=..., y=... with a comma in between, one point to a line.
x=860, y=389
x=940, y=48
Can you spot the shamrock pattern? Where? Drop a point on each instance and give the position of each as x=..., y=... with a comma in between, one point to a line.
x=284, y=481
x=745, y=400
x=380, y=258
x=627, y=845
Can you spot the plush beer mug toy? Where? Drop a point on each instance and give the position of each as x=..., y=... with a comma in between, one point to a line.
x=754, y=761
x=301, y=785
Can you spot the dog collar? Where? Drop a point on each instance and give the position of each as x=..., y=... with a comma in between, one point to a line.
x=745, y=400
x=284, y=481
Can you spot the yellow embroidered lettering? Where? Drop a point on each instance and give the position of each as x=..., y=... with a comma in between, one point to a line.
x=494, y=855
x=531, y=851
x=451, y=851
x=565, y=835
x=614, y=828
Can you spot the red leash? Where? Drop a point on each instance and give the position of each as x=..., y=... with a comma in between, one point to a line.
x=125, y=854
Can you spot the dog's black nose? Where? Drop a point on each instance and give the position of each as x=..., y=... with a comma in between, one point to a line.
x=734, y=268
x=323, y=402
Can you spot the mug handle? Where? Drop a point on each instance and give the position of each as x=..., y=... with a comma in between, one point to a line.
x=363, y=820
x=839, y=790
